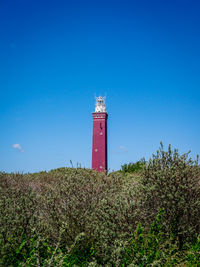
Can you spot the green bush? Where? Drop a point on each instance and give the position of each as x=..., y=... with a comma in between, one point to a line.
x=152, y=248
x=171, y=182
x=146, y=248
x=18, y=217
x=74, y=216
x=133, y=167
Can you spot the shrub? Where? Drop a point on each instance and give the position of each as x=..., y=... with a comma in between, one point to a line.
x=152, y=248
x=171, y=182
x=146, y=248
x=133, y=167
x=69, y=217
x=18, y=217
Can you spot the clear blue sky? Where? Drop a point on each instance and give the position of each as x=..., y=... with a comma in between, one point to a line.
x=56, y=55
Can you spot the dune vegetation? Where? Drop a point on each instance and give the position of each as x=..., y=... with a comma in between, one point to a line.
x=146, y=214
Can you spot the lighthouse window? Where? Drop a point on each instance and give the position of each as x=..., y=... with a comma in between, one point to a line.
x=101, y=133
x=96, y=150
x=100, y=167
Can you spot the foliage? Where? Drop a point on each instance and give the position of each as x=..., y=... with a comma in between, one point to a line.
x=171, y=182
x=146, y=248
x=79, y=217
x=152, y=248
x=133, y=167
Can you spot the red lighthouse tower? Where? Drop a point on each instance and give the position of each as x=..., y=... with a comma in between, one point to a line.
x=99, y=142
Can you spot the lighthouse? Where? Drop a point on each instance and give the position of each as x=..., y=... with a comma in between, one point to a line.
x=99, y=140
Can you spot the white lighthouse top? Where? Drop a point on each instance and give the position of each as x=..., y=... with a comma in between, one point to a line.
x=100, y=105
